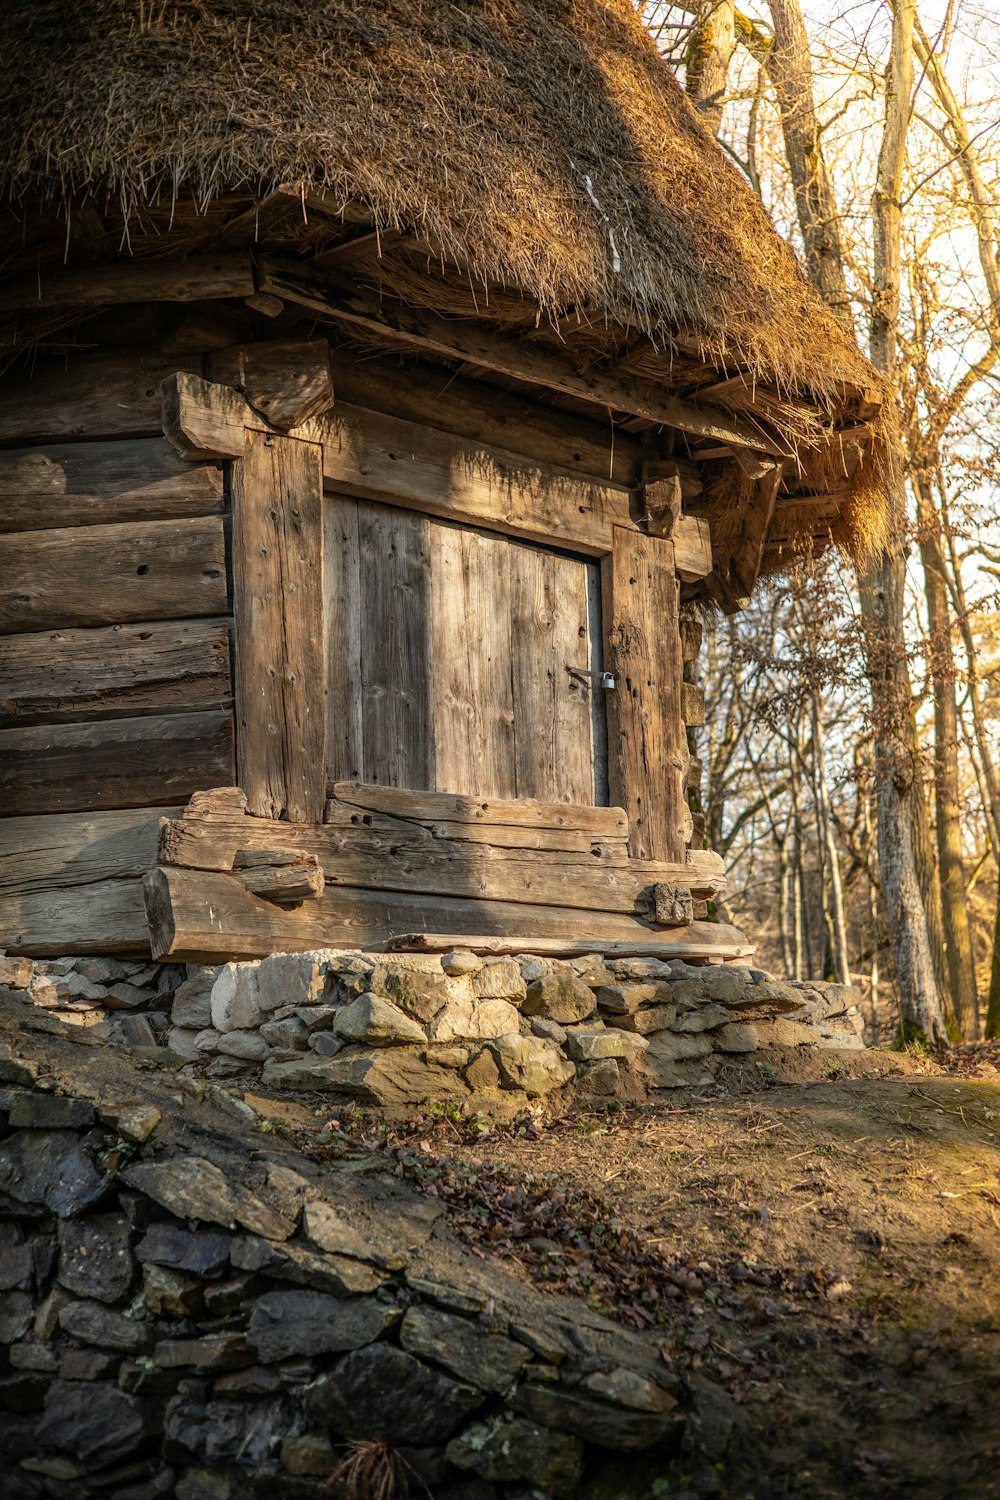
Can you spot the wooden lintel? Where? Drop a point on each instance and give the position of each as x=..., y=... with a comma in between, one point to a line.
x=456, y=339
x=698, y=943
x=197, y=278
x=373, y=456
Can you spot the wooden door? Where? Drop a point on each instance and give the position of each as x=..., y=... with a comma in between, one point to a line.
x=460, y=660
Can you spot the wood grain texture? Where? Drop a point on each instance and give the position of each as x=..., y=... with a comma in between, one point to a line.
x=88, y=396
x=72, y=882
x=521, y=812
x=277, y=550
x=83, y=484
x=102, y=575
x=645, y=730
x=699, y=943
x=118, y=669
x=379, y=457
x=470, y=652
x=394, y=571
x=426, y=393
x=692, y=539
x=345, y=759
x=113, y=763
x=552, y=673
x=64, y=851
x=196, y=278
x=201, y=916
x=462, y=339
x=412, y=857
x=286, y=380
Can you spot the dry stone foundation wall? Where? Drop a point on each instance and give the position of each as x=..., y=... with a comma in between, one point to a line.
x=192, y=1309
x=396, y=1030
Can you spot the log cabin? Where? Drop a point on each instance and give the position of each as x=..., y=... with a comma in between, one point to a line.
x=386, y=390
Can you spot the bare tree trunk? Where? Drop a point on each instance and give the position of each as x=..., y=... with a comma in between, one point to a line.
x=954, y=905
x=789, y=67
x=835, y=906
x=709, y=54
x=882, y=589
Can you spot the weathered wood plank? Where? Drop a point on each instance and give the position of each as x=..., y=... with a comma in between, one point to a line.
x=379, y=457
x=345, y=760
x=455, y=338
x=197, y=278
x=83, y=484
x=105, y=917
x=121, y=669
x=692, y=539
x=88, y=396
x=287, y=876
x=417, y=860
x=286, y=380
x=421, y=392
x=504, y=836
x=700, y=942
x=645, y=731
x=520, y=812
x=470, y=634
x=277, y=550
x=552, y=677
x=207, y=916
x=692, y=704
x=748, y=558
x=103, y=575
x=63, y=851
x=394, y=563
x=113, y=763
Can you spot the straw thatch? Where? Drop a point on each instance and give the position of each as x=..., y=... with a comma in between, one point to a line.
x=539, y=145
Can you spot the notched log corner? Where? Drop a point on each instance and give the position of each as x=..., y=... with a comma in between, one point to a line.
x=285, y=876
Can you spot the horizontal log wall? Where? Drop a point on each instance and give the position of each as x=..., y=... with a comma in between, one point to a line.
x=115, y=675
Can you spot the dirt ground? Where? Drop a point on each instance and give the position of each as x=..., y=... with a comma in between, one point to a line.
x=827, y=1250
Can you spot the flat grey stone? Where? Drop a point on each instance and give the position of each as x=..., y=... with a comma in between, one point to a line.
x=511, y=1448
x=472, y=1353
x=96, y=1423
x=93, y=1323
x=50, y=1167
x=193, y=1188
x=384, y=1394
x=95, y=1257
x=284, y=1324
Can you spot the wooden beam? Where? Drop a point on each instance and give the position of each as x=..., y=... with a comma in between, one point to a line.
x=692, y=539
x=410, y=855
x=87, y=396
x=645, y=732
x=378, y=457
x=287, y=381
x=118, y=669
x=464, y=340
x=196, y=278
x=197, y=916
x=113, y=762
x=419, y=391
x=83, y=484
x=519, y=812
x=756, y=524
x=286, y=876
x=280, y=676
x=698, y=943
x=103, y=575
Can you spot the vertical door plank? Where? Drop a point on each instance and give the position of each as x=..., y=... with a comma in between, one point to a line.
x=342, y=599
x=278, y=608
x=550, y=634
x=473, y=711
x=645, y=731
x=394, y=566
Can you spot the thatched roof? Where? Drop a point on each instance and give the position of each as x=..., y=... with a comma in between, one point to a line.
x=536, y=145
